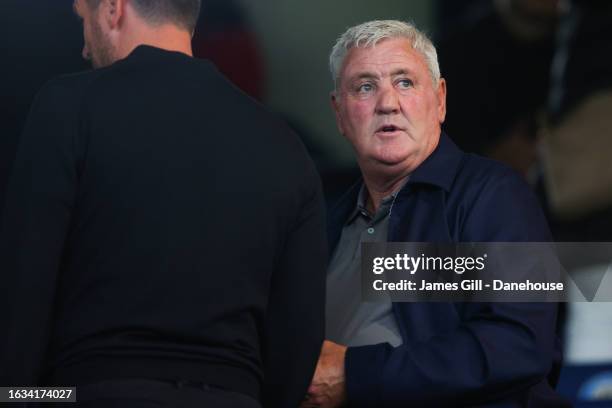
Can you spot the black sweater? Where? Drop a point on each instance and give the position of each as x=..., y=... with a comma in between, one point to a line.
x=160, y=224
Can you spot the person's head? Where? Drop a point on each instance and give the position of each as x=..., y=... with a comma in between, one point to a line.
x=389, y=98
x=112, y=26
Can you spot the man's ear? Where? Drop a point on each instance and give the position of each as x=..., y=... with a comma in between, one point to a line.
x=114, y=12
x=335, y=104
x=441, y=93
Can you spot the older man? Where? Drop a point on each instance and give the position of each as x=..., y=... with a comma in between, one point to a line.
x=418, y=186
x=162, y=232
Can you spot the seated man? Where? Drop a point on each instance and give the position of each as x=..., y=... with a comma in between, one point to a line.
x=417, y=186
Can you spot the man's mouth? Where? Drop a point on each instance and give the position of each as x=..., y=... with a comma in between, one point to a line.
x=388, y=129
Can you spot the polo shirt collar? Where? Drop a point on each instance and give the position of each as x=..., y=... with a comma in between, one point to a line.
x=360, y=207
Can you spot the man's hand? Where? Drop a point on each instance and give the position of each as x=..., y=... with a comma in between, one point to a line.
x=327, y=389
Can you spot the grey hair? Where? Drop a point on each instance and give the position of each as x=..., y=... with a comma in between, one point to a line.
x=370, y=33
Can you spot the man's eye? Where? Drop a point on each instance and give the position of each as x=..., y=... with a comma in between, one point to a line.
x=404, y=83
x=365, y=88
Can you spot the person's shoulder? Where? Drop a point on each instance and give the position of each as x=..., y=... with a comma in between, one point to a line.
x=225, y=91
x=269, y=127
x=492, y=187
x=61, y=97
x=67, y=88
x=479, y=172
x=497, y=203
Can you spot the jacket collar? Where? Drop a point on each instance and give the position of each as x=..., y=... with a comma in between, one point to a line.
x=441, y=167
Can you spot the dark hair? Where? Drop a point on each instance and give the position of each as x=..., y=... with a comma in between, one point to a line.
x=183, y=13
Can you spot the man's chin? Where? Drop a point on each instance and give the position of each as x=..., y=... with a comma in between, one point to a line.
x=390, y=167
x=393, y=164
x=392, y=158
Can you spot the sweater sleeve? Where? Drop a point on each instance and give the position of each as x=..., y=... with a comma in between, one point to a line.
x=295, y=317
x=34, y=225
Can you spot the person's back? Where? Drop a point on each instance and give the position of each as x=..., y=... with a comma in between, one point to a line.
x=174, y=230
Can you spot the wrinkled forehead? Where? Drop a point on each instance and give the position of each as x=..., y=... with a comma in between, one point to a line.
x=382, y=59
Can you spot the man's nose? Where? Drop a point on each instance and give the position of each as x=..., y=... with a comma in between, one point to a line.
x=388, y=101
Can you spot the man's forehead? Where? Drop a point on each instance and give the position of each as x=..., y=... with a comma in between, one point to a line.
x=383, y=59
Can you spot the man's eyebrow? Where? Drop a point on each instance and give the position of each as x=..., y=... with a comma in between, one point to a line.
x=364, y=75
x=401, y=71
x=371, y=75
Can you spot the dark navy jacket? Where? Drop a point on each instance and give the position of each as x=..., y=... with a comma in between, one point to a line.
x=459, y=354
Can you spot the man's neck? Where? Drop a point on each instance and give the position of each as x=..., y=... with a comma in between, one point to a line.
x=382, y=181
x=379, y=188
x=167, y=37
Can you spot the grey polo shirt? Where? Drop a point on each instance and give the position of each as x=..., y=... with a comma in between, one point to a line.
x=350, y=320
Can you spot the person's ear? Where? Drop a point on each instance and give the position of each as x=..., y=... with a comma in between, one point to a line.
x=441, y=94
x=335, y=104
x=114, y=12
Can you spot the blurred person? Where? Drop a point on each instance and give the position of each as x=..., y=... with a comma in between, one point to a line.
x=150, y=257
x=417, y=186
x=506, y=71
x=575, y=154
x=224, y=37
x=579, y=125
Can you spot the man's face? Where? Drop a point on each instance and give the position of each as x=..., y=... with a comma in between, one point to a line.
x=387, y=106
x=98, y=47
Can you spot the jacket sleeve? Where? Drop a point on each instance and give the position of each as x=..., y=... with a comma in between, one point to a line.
x=497, y=350
x=295, y=317
x=33, y=228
